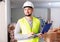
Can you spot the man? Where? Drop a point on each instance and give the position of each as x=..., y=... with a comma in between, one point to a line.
x=28, y=25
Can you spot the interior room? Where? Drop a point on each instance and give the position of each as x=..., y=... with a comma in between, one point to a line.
x=46, y=10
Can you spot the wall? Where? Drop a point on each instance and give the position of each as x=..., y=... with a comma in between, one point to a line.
x=41, y=12
x=16, y=13
x=55, y=17
x=3, y=25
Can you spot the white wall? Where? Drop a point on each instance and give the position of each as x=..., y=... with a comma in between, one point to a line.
x=3, y=25
x=8, y=11
x=55, y=16
x=41, y=12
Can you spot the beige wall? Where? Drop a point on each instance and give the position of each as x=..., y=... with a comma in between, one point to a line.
x=3, y=25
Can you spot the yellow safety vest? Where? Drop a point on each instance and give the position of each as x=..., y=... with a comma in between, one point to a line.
x=26, y=28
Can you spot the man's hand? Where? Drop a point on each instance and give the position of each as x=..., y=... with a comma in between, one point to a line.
x=40, y=35
x=30, y=34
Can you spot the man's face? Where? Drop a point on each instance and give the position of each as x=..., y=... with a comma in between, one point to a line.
x=28, y=11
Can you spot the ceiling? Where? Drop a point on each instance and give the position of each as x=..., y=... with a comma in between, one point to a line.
x=37, y=3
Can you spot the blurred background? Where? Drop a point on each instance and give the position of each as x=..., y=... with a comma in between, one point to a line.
x=11, y=11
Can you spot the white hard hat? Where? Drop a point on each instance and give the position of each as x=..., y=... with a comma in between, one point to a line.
x=28, y=3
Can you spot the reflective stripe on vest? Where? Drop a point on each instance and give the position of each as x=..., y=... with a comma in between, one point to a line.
x=26, y=29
